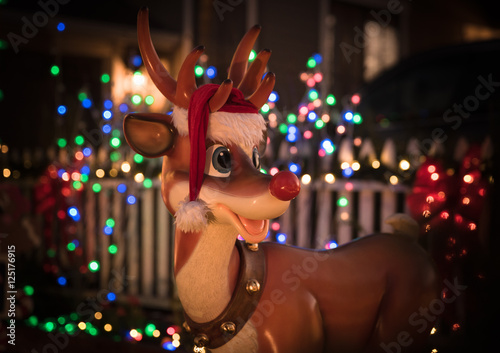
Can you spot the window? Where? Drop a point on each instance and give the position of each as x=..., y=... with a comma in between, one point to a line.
x=382, y=49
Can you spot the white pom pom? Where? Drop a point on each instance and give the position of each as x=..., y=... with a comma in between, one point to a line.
x=191, y=215
x=404, y=225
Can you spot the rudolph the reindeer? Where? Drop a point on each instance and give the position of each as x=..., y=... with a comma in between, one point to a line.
x=249, y=297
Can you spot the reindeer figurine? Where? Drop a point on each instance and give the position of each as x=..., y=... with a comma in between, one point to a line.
x=264, y=297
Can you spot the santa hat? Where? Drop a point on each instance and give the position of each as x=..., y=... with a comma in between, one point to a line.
x=238, y=121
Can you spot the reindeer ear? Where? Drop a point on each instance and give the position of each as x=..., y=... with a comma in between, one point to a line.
x=151, y=135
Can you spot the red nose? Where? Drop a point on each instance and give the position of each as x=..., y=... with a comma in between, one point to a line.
x=284, y=186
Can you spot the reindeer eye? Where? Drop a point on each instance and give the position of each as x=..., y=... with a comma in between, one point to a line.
x=256, y=157
x=218, y=161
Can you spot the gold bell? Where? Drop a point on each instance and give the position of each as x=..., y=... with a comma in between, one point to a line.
x=228, y=327
x=201, y=340
x=253, y=246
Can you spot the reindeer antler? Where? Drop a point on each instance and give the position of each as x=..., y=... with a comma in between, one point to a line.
x=248, y=81
x=179, y=92
x=253, y=76
x=238, y=66
x=158, y=73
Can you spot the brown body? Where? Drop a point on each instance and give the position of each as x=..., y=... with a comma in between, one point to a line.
x=361, y=297
x=349, y=299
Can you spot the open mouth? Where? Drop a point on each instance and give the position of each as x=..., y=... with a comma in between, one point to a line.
x=253, y=227
x=253, y=231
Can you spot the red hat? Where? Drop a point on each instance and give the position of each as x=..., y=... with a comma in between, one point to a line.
x=238, y=121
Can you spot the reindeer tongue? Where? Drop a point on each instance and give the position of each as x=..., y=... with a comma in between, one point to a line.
x=253, y=227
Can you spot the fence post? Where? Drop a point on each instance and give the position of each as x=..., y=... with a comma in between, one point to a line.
x=366, y=211
x=324, y=217
x=133, y=249
x=163, y=246
x=303, y=217
x=388, y=208
x=147, y=242
x=345, y=219
x=103, y=240
x=90, y=226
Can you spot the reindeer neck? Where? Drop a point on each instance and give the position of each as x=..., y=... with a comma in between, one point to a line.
x=206, y=269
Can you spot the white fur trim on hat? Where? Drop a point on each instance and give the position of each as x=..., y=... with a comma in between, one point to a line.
x=191, y=215
x=404, y=225
x=224, y=127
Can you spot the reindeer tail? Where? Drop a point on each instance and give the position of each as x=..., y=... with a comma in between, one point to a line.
x=403, y=225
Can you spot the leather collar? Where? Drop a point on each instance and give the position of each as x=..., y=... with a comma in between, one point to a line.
x=246, y=296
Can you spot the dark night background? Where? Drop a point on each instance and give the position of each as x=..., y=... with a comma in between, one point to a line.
x=436, y=65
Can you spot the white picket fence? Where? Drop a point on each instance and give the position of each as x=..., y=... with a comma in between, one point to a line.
x=144, y=231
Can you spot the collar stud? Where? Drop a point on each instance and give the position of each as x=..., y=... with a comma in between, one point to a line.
x=201, y=340
x=253, y=286
x=228, y=327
